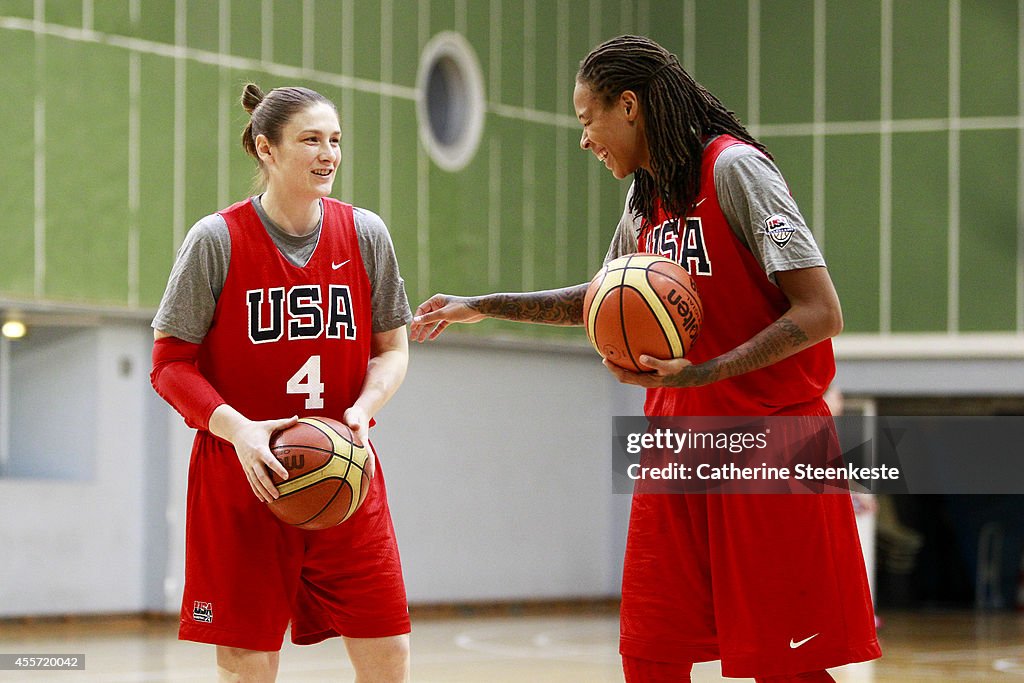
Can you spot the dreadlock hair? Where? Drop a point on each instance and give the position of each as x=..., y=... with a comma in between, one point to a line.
x=679, y=114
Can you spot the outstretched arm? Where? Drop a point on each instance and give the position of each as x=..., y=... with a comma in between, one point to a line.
x=549, y=307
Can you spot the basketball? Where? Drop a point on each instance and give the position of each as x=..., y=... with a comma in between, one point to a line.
x=328, y=473
x=642, y=304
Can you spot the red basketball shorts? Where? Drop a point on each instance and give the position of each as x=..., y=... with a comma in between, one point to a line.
x=248, y=575
x=771, y=584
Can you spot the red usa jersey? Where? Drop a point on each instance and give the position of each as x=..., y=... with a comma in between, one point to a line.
x=288, y=340
x=739, y=301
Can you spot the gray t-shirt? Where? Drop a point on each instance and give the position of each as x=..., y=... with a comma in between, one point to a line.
x=199, y=272
x=751, y=190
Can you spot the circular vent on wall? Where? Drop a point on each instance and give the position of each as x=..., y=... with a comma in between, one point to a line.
x=450, y=103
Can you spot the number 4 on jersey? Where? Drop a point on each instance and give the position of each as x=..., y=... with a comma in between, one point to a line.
x=307, y=381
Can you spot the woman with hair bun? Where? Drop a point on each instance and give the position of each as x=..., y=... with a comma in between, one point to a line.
x=285, y=304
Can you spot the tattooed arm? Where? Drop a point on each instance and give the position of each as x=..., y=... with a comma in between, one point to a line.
x=550, y=307
x=814, y=315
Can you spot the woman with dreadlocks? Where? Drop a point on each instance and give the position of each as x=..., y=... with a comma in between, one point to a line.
x=773, y=585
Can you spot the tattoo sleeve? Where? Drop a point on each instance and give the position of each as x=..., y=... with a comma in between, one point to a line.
x=550, y=307
x=779, y=340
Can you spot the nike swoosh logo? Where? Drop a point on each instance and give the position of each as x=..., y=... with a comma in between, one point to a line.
x=795, y=644
x=699, y=203
x=335, y=266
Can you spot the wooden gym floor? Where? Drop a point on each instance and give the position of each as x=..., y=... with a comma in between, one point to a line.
x=508, y=645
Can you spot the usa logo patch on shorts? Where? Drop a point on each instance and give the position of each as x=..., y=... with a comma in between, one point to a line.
x=203, y=612
x=778, y=229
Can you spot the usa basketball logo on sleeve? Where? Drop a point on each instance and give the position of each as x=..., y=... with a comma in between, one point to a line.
x=778, y=229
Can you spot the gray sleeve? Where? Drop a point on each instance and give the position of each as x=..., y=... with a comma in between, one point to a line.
x=389, y=301
x=196, y=281
x=624, y=241
x=756, y=201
